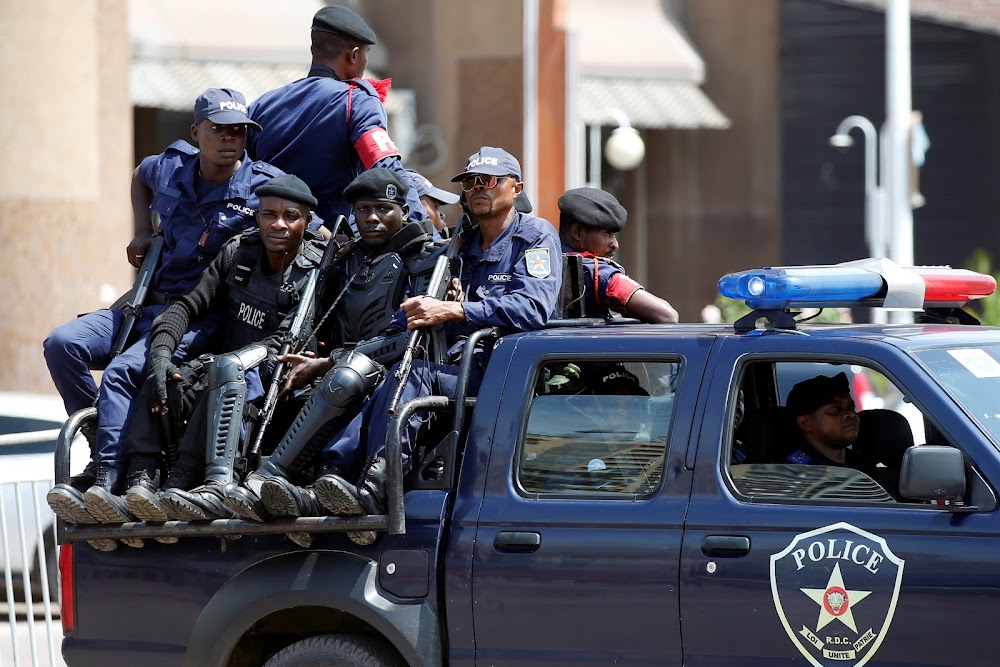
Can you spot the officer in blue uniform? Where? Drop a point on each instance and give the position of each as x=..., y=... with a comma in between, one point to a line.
x=511, y=275
x=589, y=220
x=205, y=196
x=330, y=126
x=433, y=199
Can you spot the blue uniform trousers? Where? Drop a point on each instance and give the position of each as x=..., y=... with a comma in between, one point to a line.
x=76, y=348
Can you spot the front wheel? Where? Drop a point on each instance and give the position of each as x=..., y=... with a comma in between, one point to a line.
x=336, y=651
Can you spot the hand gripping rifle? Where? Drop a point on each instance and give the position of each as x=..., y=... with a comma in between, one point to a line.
x=437, y=288
x=133, y=306
x=295, y=338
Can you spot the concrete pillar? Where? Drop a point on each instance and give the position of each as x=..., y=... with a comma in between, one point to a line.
x=66, y=129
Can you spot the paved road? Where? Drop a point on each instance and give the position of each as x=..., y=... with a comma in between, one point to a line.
x=44, y=654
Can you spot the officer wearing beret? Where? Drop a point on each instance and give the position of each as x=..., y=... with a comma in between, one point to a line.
x=827, y=422
x=204, y=194
x=391, y=261
x=330, y=126
x=252, y=288
x=589, y=220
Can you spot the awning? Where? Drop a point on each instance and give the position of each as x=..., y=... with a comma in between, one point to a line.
x=655, y=81
x=648, y=103
x=174, y=83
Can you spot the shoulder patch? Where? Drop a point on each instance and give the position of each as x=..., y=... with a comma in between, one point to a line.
x=537, y=262
x=181, y=146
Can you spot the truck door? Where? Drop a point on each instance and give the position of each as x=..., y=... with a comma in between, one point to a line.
x=785, y=563
x=577, y=545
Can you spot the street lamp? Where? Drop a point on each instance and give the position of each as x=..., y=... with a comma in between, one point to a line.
x=875, y=228
x=624, y=149
x=875, y=232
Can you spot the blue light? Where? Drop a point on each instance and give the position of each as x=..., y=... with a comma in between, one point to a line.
x=781, y=288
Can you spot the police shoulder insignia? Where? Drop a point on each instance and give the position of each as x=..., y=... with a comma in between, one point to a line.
x=835, y=590
x=537, y=262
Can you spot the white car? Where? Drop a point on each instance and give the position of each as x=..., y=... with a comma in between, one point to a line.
x=29, y=427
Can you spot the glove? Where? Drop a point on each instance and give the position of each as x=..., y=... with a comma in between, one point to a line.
x=183, y=394
x=160, y=368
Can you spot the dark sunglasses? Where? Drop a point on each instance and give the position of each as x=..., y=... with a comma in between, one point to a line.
x=488, y=182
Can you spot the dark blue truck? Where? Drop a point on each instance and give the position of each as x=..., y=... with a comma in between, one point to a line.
x=562, y=525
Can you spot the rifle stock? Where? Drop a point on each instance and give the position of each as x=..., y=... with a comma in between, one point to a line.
x=133, y=307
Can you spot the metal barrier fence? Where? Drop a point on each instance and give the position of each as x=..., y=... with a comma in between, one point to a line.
x=29, y=559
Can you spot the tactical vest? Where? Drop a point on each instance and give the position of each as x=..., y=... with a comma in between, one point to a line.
x=378, y=284
x=258, y=303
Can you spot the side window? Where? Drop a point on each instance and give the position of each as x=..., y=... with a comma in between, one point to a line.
x=821, y=431
x=597, y=429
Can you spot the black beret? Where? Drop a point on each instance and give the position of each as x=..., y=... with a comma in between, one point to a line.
x=288, y=187
x=812, y=394
x=343, y=21
x=378, y=184
x=521, y=203
x=591, y=207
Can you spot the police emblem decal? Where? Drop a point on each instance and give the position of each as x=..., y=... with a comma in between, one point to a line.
x=537, y=262
x=835, y=590
x=390, y=191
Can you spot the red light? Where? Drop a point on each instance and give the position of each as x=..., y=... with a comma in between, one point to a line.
x=954, y=286
x=68, y=606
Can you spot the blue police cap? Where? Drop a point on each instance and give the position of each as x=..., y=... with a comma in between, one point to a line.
x=812, y=394
x=378, y=184
x=343, y=21
x=491, y=161
x=222, y=106
x=426, y=188
x=288, y=187
x=591, y=207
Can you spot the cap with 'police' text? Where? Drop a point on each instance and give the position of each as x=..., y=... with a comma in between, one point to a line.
x=343, y=21
x=493, y=162
x=591, y=207
x=222, y=106
x=378, y=184
x=288, y=187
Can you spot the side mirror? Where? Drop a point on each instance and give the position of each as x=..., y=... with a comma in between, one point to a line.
x=933, y=472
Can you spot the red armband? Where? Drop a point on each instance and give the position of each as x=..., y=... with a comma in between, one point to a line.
x=620, y=289
x=374, y=145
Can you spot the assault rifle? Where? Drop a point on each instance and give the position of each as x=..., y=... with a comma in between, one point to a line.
x=134, y=305
x=295, y=338
x=437, y=288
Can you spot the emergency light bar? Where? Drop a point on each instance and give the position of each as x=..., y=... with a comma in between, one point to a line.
x=869, y=282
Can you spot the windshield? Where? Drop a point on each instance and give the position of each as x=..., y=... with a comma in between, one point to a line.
x=971, y=375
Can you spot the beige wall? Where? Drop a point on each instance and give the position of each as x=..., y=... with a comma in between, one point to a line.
x=66, y=129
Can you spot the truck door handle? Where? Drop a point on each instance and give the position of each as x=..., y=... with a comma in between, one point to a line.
x=725, y=545
x=517, y=541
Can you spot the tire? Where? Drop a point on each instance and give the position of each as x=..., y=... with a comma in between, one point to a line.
x=336, y=651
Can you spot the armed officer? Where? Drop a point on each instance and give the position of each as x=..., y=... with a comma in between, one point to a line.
x=392, y=261
x=204, y=194
x=330, y=126
x=510, y=278
x=589, y=221
x=253, y=286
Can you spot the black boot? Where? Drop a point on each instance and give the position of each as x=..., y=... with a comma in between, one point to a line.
x=145, y=501
x=284, y=499
x=202, y=503
x=368, y=496
x=66, y=500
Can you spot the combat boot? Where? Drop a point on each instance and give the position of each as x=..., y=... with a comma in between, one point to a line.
x=202, y=503
x=66, y=499
x=146, y=503
x=284, y=499
x=368, y=496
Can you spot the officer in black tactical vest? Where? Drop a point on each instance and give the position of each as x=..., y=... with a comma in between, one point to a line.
x=392, y=261
x=255, y=283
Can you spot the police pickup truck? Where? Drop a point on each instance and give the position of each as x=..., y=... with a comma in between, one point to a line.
x=558, y=519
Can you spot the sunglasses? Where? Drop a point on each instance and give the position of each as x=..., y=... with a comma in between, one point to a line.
x=488, y=182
